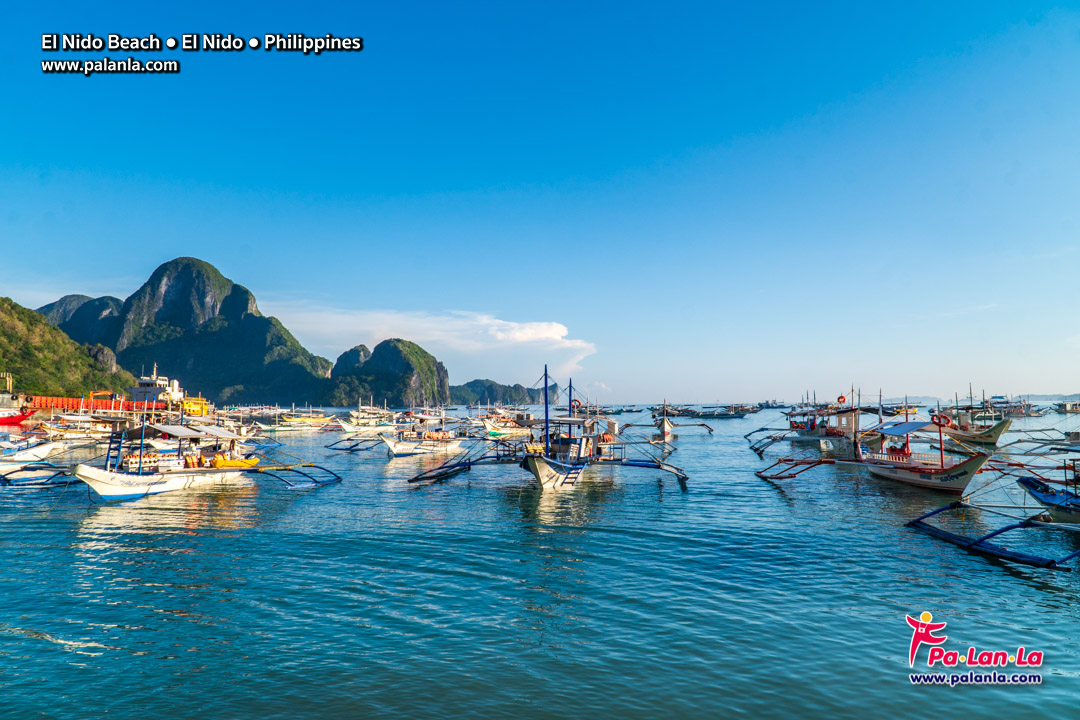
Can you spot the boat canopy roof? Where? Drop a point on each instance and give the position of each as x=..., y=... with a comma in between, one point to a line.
x=195, y=431
x=561, y=420
x=899, y=428
x=178, y=431
x=218, y=432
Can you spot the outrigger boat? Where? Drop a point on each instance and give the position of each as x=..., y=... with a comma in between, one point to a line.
x=77, y=427
x=720, y=412
x=148, y=472
x=309, y=418
x=967, y=432
x=831, y=428
x=422, y=442
x=1062, y=505
x=936, y=471
x=16, y=455
x=559, y=461
x=137, y=474
x=569, y=446
x=15, y=417
x=505, y=429
x=929, y=470
x=285, y=428
x=367, y=426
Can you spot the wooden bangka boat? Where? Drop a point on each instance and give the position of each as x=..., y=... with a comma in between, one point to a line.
x=505, y=429
x=936, y=471
x=126, y=485
x=149, y=471
x=422, y=442
x=20, y=454
x=1062, y=505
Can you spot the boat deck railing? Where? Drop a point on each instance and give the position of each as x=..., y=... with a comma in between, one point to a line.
x=913, y=459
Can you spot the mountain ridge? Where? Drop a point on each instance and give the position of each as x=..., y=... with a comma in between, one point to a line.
x=206, y=330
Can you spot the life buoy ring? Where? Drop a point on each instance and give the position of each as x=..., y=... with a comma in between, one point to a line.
x=576, y=403
x=942, y=420
x=841, y=399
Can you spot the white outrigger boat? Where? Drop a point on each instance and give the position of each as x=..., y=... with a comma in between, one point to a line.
x=286, y=428
x=559, y=461
x=149, y=471
x=936, y=471
x=17, y=455
x=160, y=477
x=367, y=426
x=960, y=425
x=77, y=427
x=217, y=461
x=830, y=429
x=507, y=428
x=422, y=442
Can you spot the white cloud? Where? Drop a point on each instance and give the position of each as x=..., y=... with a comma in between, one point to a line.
x=471, y=344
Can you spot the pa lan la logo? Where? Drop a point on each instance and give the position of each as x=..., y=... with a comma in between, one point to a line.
x=923, y=633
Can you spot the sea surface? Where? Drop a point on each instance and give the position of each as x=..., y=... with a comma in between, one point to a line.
x=485, y=597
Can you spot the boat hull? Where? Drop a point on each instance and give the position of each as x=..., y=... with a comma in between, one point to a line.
x=358, y=429
x=954, y=479
x=406, y=448
x=127, y=486
x=1062, y=505
x=550, y=474
x=990, y=436
x=277, y=429
x=32, y=454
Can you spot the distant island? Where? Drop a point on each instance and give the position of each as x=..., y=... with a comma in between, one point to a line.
x=490, y=392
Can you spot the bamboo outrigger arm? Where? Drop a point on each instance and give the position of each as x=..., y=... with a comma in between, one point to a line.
x=981, y=545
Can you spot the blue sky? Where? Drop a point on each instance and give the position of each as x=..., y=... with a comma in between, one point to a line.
x=703, y=201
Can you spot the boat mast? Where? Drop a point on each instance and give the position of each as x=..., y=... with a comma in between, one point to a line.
x=570, y=406
x=907, y=437
x=547, y=418
x=142, y=440
x=941, y=435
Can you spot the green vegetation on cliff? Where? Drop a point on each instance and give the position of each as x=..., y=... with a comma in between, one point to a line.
x=61, y=310
x=206, y=331
x=45, y=361
x=399, y=373
x=202, y=329
x=489, y=391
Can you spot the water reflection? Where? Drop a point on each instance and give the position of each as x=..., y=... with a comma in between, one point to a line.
x=572, y=506
x=186, y=511
x=153, y=555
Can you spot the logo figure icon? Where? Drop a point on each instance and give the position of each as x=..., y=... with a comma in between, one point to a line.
x=924, y=630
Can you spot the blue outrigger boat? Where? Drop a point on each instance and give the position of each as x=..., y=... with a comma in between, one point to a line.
x=1062, y=505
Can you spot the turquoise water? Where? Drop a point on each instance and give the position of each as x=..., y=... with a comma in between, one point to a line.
x=483, y=597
